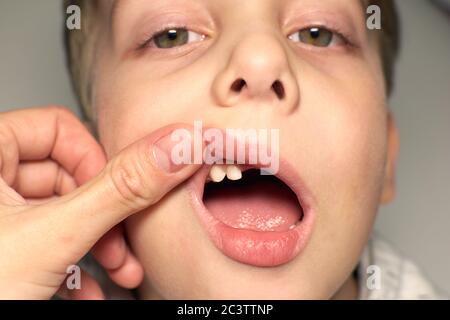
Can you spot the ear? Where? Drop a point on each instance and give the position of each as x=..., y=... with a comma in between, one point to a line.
x=388, y=192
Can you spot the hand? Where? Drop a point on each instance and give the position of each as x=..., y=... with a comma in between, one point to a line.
x=58, y=198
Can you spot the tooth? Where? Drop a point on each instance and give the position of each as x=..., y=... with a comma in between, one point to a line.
x=217, y=173
x=233, y=172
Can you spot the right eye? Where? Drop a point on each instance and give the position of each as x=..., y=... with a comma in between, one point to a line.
x=176, y=37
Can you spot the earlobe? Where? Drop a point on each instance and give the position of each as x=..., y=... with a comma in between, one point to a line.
x=388, y=193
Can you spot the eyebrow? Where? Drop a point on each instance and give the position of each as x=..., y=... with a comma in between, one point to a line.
x=117, y=7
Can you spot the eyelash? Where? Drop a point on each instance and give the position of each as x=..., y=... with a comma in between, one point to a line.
x=149, y=38
x=346, y=38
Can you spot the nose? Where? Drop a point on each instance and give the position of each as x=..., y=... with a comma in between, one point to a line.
x=258, y=70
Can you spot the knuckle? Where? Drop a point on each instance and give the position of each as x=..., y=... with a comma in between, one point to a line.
x=62, y=112
x=6, y=133
x=9, y=152
x=130, y=182
x=59, y=109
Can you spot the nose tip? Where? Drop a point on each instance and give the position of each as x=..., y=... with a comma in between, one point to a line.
x=258, y=69
x=260, y=61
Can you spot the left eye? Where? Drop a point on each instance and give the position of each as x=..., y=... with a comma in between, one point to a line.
x=315, y=36
x=171, y=38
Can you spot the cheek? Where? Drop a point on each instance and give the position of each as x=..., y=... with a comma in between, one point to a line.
x=352, y=131
x=162, y=239
x=347, y=118
x=139, y=98
x=354, y=152
x=344, y=124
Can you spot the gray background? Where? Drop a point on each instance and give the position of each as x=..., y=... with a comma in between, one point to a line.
x=32, y=72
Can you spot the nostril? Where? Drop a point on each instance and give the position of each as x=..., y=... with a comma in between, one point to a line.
x=238, y=85
x=278, y=88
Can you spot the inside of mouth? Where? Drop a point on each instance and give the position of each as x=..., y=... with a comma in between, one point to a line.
x=255, y=202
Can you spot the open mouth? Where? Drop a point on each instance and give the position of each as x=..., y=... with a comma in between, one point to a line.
x=245, y=199
x=259, y=220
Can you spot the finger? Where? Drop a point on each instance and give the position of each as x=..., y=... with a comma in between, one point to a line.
x=40, y=201
x=49, y=132
x=42, y=179
x=9, y=197
x=138, y=177
x=89, y=289
x=130, y=274
x=110, y=251
x=113, y=254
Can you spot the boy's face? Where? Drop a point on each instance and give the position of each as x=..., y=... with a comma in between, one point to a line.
x=334, y=129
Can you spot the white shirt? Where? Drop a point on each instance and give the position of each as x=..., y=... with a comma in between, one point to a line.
x=399, y=278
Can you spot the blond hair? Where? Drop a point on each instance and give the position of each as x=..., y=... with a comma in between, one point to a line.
x=80, y=52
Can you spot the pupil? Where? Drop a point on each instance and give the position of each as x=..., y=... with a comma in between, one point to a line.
x=315, y=33
x=172, y=34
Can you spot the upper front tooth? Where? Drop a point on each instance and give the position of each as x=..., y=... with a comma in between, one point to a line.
x=217, y=173
x=233, y=172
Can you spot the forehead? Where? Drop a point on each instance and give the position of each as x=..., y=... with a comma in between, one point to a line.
x=116, y=6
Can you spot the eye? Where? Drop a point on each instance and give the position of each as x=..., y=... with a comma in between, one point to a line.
x=176, y=37
x=317, y=36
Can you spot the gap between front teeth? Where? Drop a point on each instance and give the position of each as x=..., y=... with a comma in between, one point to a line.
x=234, y=173
x=219, y=172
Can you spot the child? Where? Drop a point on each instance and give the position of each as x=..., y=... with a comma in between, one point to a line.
x=313, y=71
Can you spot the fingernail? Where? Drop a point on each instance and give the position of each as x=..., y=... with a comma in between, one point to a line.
x=162, y=152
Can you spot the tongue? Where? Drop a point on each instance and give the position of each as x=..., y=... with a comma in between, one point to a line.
x=260, y=203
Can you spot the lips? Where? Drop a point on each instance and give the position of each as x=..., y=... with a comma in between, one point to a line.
x=263, y=221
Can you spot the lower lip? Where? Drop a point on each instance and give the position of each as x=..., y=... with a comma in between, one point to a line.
x=256, y=248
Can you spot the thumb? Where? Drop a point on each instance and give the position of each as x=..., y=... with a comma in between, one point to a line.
x=138, y=177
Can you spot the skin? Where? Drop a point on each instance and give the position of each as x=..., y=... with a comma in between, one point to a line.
x=345, y=144
x=339, y=118
x=59, y=198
